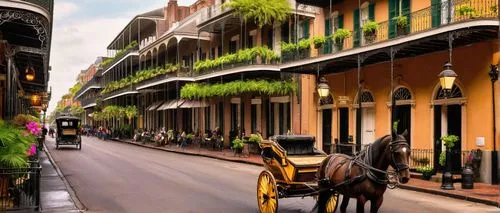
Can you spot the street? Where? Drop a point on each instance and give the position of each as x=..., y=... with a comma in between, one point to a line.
x=115, y=177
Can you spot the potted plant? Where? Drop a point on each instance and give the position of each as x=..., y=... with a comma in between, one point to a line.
x=319, y=41
x=467, y=12
x=426, y=171
x=238, y=146
x=402, y=25
x=253, y=144
x=370, y=30
x=339, y=36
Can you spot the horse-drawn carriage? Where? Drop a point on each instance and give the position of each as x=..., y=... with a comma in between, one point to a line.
x=68, y=131
x=295, y=168
x=291, y=164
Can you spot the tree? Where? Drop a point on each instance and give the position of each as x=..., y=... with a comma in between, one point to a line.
x=77, y=110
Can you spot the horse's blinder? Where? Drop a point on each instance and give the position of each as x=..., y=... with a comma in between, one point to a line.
x=393, y=147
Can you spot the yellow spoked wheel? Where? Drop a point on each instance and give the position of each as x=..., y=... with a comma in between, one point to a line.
x=331, y=204
x=267, y=193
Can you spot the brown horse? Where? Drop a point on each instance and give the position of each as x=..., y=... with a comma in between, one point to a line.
x=365, y=175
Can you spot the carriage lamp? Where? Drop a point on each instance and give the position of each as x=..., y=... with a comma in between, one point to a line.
x=447, y=78
x=323, y=88
x=30, y=73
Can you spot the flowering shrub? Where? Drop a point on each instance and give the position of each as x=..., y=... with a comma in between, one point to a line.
x=33, y=128
x=32, y=150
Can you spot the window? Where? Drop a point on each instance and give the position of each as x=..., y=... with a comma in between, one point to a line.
x=233, y=46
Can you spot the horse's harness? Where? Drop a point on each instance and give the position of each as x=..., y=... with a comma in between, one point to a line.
x=364, y=160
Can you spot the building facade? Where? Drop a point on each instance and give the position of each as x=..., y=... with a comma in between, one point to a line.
x=25, y=34
x=392, y=49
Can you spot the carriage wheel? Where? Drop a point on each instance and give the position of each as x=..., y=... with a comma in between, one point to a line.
x=267, y=193
x=332, y=203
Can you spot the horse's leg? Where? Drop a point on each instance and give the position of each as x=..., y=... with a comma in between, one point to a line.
x=322, y=200
x=360, y=205
x=375, y=204
x=345, y=202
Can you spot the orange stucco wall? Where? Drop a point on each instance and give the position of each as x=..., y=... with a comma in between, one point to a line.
x=419, y=74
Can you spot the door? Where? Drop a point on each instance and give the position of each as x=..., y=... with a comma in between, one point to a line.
x=344, y=131
x=368, y=126
x=438, y=147
x=454, y=115
x=403, y=117
x=327, y=130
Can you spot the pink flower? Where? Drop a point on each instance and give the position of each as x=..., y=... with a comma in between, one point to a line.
x=33, y=128
x=32, y=150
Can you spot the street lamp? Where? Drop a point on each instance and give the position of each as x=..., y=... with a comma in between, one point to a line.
x=30, y=73
x=447, y=79
x=494, y=155
x=323, y=88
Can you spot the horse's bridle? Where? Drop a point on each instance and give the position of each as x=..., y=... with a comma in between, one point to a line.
x=394, y=146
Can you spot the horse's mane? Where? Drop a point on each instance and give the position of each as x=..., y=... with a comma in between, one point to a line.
x=376, y=146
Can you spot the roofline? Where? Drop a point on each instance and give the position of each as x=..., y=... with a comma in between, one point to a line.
x=137, y=17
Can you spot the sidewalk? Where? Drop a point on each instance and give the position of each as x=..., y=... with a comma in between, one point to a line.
x=54, y=196
x=482, y=193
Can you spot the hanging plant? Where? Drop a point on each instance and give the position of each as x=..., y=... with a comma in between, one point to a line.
x=261, y=12
x=339, y=36
x=319, y=41
x=370, y=30
x=304, y=44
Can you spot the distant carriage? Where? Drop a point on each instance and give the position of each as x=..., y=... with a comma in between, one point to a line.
x=68, y=131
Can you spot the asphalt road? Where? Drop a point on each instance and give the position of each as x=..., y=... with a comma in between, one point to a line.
x=115, y=177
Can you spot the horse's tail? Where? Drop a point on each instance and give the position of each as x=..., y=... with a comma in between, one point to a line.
x=321, y=173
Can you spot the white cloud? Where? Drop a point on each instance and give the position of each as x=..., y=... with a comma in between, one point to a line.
x=64, y=9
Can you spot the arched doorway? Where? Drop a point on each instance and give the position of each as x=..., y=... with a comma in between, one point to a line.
x=367, y=129
x=326, y=116
x=448, y=121
x=403, y=110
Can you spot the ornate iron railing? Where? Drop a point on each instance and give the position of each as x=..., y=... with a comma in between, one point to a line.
x=95, y=81
x=119, y=91
x=20, y=188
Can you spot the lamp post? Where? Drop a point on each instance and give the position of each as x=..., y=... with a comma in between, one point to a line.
x=494, y=154
x=447, y=79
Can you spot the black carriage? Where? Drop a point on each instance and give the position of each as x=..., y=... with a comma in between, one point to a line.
x=68, y=131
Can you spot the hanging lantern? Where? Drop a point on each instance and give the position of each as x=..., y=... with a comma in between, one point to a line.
x=30, y=73
x=447, y=77
x=36, y=100
x=323, y=88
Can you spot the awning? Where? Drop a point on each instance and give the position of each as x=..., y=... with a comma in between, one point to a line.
x=175, y=104
x=165, y=105
x=155, y=105
x=194, y=104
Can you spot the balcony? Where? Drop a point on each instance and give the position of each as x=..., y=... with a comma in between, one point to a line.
x=88, y=102
x=120, y=55
x=120, y=92
x=419, y=23
x=94, y=83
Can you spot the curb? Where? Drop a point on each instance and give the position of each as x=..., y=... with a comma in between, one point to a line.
x=190, y=153
x=402, y=186
x=78, y=204
x=445, y=194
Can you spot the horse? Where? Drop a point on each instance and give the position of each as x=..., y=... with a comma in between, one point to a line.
x=365, y=175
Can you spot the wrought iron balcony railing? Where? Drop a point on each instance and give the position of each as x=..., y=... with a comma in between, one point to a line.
x=422, y=20
x=94, y=82
x=88, y=100
x=131, y=88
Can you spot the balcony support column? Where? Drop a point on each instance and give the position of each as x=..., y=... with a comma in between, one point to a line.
x=222, y=42
x=359, y=111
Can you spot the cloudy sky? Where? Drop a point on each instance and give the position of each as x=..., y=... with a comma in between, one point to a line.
x=82, y=31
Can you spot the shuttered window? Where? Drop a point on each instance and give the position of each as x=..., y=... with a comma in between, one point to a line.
x=397, y=8
x=357, y=30
x=328, y=31
x=436, y=13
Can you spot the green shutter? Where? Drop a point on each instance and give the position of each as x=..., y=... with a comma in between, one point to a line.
x=341, y=21
x=357, y=30
x=371, y=12
x=328, y=31
x=406, y=11
x=306, y=28
x=393, y=12
x=436, y=13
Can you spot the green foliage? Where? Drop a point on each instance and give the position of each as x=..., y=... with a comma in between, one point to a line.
x=288, y=47
x=14, y=144
x=190, y=136
x=494, y=8
x=75, y=88
x=401, y=21
x=442, y=158
x=130, y=112
x=263, y=87
x=370, y=27
x=242, y=56
x=319, y=41
x=425, y=169
x=395, y=126
x=340, y=35
x=449, y=140
x=254, y=138
x=261, y=12
x=238, y=144
x=139, y=77
x=466, y=10
x=77, y=110
x=119, y=54
x=424, y=160
x=303, y=44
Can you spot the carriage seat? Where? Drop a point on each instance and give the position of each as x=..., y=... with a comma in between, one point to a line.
x=296, y=144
